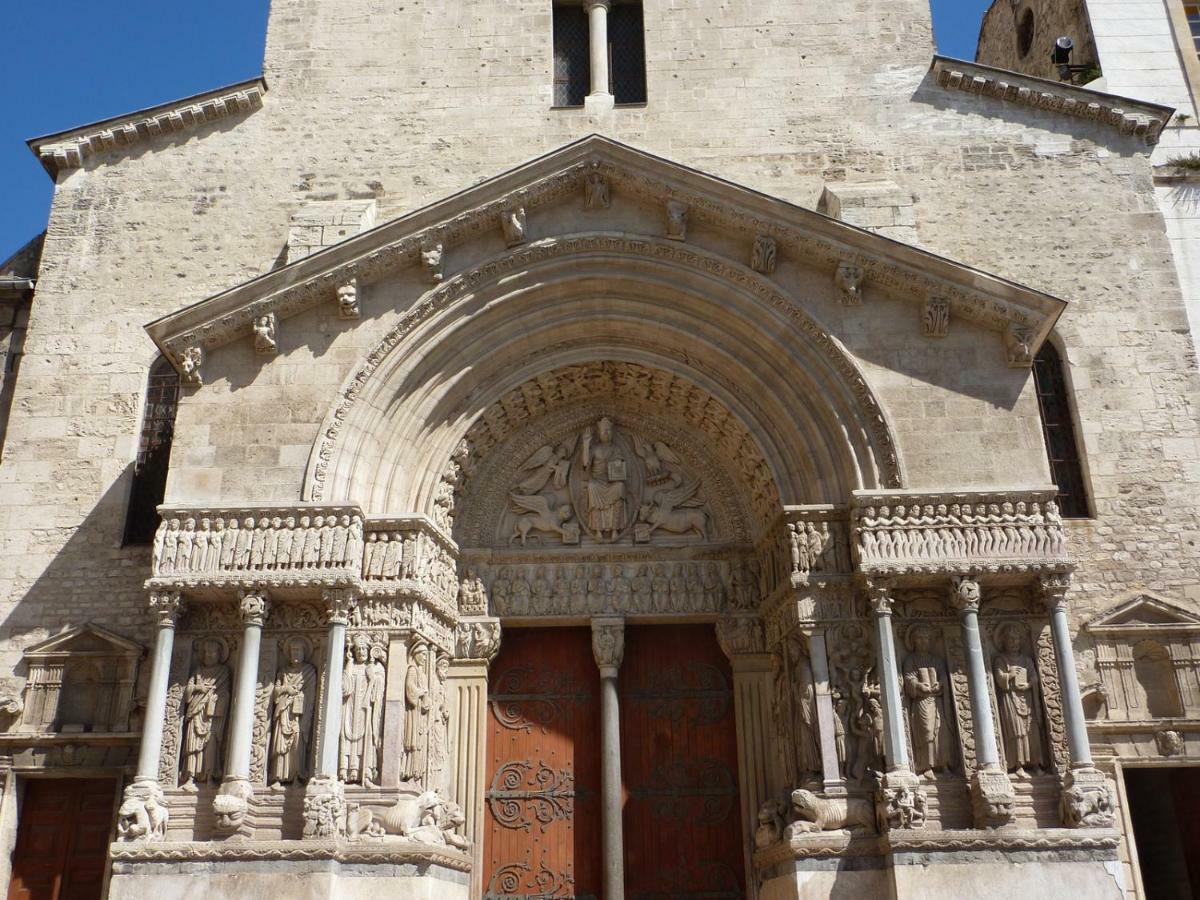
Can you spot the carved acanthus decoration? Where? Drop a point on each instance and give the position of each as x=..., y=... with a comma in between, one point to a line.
x=513, y=223
x=340, y=605
x=190, y=361
x=433, y=260
x=935, y=318
x=363, y=679
x=1051, y=691
x=849, y=280
x=206, y=699
x=265, y=337
x=596, y=191
x=677, y=220
x=958, y=533
x=347, y=300
x=763, y=254
x=635, y=588
x=477, y=639
x=964, y=594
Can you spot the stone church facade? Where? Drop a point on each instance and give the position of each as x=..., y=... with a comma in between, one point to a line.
x=615, y=449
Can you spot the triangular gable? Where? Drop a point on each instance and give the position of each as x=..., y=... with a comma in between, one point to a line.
x=1144, y=611
x=1025, y=316
x=87, y=639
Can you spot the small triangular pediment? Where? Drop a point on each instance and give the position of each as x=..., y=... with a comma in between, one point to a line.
x=87, y=639
x=1145, y=610
x=741, y=215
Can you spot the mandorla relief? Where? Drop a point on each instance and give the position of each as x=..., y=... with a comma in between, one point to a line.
x=605, y=485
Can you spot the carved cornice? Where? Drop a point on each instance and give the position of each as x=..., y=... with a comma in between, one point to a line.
x=366, y=853
x=69, y=149
x=1130, y=117
x=968, y=533
x=802, y=234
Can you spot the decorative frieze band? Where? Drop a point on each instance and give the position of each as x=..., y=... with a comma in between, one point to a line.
x=912, y=533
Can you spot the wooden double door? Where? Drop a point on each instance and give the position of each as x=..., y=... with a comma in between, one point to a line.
x=682, y=828
x=62, y=839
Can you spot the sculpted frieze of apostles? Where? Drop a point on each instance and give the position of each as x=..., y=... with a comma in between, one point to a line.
x=605, y=484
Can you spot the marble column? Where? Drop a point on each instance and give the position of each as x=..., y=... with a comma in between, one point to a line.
x=477, y=641
x=324, y=799
x=608, y=647
x=1088, y=798
x=992, y=793
x=231, y=802
x=741, y=639
x=834, y=783
x=599, y=98
x=143, y=815
x=901, y=799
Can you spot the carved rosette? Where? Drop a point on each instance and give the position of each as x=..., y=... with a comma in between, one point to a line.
x=165, y=607
x=477, y=639
x=608, y=644
x=740, y=635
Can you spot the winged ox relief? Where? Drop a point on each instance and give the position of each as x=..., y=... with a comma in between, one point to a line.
x=606, y=484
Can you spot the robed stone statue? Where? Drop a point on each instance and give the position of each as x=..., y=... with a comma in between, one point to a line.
x=205, y=707
x=362, y=715
x=294, y=694
x=1016, y=694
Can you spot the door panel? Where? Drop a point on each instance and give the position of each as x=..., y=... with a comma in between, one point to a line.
x=542, y=820
x=62, y=839
x=679, y=763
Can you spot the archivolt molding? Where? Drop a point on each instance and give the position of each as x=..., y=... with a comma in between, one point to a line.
x=971, y=295
x=870, y=413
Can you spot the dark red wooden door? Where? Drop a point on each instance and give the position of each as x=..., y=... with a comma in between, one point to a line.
x=542, y=829
x=62, y=839
x=679, y=763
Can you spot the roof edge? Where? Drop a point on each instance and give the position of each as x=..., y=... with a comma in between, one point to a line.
x=68, y=149
x=1137, y=118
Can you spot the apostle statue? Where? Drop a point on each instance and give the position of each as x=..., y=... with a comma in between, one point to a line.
x=925, y=687
x=205, y=705
x=417, y=705
x=439, y=723
x=1016, y=694
x=362, y=715
x=294, y=694
x=605, y=482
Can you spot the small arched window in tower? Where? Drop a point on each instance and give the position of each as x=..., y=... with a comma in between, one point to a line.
x=154, y=454
x=1058, y=428
x=1025, y=33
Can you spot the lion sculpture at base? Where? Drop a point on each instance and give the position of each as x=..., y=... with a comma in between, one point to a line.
x=815, y=813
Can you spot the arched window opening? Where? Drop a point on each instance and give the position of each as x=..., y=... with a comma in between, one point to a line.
x=154, y=454
x=1058, y=428
x=1025, y=33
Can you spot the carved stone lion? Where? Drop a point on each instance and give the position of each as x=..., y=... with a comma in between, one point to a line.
x=426, y=819
x=141, y=820
x=823, y=814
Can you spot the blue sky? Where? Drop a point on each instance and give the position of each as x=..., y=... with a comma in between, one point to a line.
x=79, y=61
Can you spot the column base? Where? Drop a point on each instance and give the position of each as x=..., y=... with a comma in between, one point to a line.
x=992, y=798
x=900, y=801
x=597, y=104
x=1088, y=800
x=231, y=805
x=143, y=814
x=324, y=808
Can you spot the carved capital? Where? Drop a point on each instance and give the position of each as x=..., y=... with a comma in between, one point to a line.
x=879, y=594
x=477, y=639
x=253, y=606
x=608, y=644
x=964, y=594
x=166, y=606
x=1054, y=588
x=339, y=604
x=740, y=635
x=190, y=362
x=589, y=5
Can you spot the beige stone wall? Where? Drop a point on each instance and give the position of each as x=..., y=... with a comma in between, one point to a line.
x=999, y=41
x=406, y=106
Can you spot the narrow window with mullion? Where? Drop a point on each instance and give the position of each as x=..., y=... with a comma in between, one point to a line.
x=572, y=59
x=1058, y=431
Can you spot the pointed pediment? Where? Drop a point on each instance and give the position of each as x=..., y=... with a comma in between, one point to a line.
x=510, y=204
x=1144, y=611
x=85, y=640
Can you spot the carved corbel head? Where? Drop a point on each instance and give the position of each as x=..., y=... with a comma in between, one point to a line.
x=1018, y=344
x=190, y=361
x=347, y=298
x=849, y=280
x=432, y=258
x=513, y=223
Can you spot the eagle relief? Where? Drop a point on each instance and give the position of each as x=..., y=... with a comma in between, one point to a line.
x=605, y=485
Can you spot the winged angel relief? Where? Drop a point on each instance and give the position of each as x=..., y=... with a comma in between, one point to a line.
x=603, y=485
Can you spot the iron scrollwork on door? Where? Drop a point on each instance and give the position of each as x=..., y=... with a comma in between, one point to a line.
x=522, y=699
x=701, y=791
x=518, y=881
x=522, y=793
x=700, y=694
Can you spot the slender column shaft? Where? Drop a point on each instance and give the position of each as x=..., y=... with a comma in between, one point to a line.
x=894, y=744
x=331, y=691
x=986, y=753
x=1077, y=738
x=830, y=770
x=241, y=719
x=166, y=606
x=597, y=11
x=608, y=647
